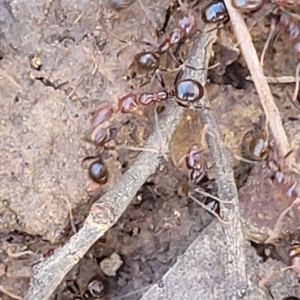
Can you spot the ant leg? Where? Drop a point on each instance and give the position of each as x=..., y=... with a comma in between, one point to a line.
x=144, y=43
x=183, y=65
x=177, y=164
x=267, y=43
x=199, y=191
x=178, y=76
x=166, y=22
x=145, y=83
x=210, y=30
x=89, y=158
x=159, y=78
x=179, y=63
x=208, y=209
x=200, y=178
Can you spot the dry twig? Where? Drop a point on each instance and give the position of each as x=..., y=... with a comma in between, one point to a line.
x=261, y=84
x=275, y=80
x=49, y=273
x=233, y=253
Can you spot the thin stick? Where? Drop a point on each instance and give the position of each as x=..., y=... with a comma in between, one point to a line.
x=70, y=214
x=274, y=234
x=263, y=90
x=296, y=91
x=240, y=158
x=106, y=211
x=233, y=255
x=281, y=79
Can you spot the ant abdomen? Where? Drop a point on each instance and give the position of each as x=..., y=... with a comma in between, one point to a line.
x=259, y=148
x=188, y=91
x=98, y=171
x=215, y=12
x=188, y=23
x=102, y=115
x=128, y=103
x=247, y=6
x=147, y=61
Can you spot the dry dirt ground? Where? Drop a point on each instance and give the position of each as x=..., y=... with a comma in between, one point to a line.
x=60, y=59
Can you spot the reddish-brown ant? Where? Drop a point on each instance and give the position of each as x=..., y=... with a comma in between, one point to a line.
x=282, y=175
x=102, y=133
x=149, y=61
x=196, y=164
x=197, y=167
x=185, y=92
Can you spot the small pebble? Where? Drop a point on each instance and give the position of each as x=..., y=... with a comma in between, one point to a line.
x=111, y=264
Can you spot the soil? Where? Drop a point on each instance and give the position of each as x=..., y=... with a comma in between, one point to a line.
x=60, y=60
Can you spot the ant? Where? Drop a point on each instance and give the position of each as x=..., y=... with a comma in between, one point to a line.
x=261, y=149
x=186, y=93
x=102, y=133
x=197, y=169
x=187, y=26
